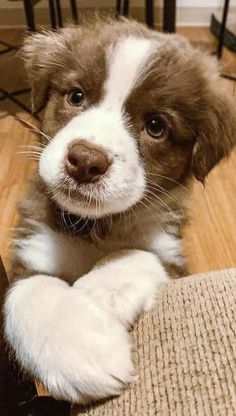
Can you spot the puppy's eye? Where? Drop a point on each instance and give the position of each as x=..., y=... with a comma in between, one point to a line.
x=75, y=97
x=155, y=127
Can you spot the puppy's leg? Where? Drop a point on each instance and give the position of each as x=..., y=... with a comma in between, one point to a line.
x=126, y=282
x=73, y=339
x=67, y=340
x=49, y=252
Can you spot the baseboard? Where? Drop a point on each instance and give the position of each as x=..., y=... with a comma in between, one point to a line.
x=12, y=14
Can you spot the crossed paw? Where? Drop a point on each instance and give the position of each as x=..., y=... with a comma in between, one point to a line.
x=69, y=342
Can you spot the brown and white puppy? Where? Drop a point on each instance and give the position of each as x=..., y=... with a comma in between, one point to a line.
x=130, y=116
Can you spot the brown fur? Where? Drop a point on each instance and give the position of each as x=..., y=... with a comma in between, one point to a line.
x=181, y=84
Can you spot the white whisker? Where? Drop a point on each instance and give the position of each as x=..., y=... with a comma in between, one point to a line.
x=171, y=180
x=156, y=187
x=34, y=128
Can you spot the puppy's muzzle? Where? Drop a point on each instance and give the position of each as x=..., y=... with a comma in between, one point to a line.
x=86, y=162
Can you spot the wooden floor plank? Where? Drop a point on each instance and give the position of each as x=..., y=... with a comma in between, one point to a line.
x=14, y=171
x=210, y=237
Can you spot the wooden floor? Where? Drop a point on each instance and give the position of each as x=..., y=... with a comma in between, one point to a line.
x=209, y=239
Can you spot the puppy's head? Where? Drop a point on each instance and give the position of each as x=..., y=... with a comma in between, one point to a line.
x=128, y=111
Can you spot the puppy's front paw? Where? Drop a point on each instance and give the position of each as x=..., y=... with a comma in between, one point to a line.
x=72, y=345
x=125, y=288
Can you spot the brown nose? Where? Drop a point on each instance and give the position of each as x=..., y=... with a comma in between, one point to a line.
x=86, y=162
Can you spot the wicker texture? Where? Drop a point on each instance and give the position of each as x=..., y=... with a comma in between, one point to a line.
x=186, y=353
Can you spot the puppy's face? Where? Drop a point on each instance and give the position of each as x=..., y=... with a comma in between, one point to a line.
x=129, y=113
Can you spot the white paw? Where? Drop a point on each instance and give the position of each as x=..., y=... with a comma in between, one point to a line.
x=126, y=291
x=71, y=344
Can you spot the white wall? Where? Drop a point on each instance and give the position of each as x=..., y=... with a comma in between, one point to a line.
x=203, y=3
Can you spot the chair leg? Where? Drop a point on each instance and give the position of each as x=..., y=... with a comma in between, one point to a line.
x=169, y=16
x=29, y=15
x=149, y=12
x=8, y=47
x=118, y=7
x=74, y=11
x=52, y=12
x=126, y=8
x=59, y=13
x=5, y=95
x=222, y=29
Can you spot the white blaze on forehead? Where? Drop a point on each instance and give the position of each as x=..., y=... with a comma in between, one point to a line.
x=126, y=61
x=104, y=125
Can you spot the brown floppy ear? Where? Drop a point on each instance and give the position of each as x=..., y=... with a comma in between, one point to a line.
x=36, y=52
x=216, y=132
x=44, y=53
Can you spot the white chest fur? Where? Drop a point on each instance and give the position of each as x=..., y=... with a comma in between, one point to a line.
x=53, y=253
x=49, y=252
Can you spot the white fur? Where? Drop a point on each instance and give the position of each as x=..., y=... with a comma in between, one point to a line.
x=169, y=248
x=65, y=338
x=74, y=339
x=53, y=253
x=126, y=282
x=122, y=186
x=105, y=126
x=126, y=62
